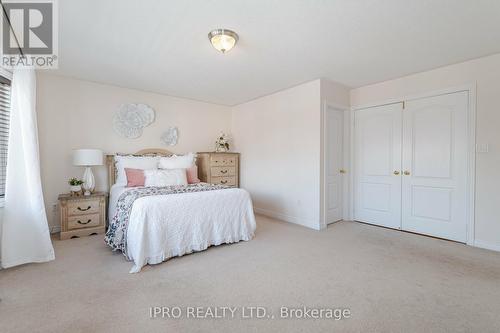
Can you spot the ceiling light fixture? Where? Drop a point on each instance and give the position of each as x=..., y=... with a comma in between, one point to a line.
x=222, y=39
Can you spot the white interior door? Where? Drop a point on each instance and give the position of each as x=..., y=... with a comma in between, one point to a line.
x=334, y=143
x=434, y=184
x=377, y=165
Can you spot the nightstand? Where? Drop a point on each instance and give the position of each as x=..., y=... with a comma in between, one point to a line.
x=82, y=215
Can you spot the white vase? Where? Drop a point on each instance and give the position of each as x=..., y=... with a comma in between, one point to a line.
x=220, y=149
x=88, y=181
x=75, y=188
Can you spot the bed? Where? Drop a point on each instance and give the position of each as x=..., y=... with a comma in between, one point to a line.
x=149, y=225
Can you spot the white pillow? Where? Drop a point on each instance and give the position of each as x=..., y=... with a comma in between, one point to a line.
x=165, y=177
x=133, y=162
x=177, y=162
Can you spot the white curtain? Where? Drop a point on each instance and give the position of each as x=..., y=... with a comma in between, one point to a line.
x=25, y=232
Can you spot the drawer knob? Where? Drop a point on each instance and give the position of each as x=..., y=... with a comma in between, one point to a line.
x=83, y=209
x=223, y=171
x=223, y=181
x=80, y=222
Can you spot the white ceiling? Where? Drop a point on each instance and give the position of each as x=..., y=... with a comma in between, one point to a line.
x=162, y=46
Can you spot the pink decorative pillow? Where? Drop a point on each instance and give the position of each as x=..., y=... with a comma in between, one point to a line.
x=135, y=177
x=192, y=175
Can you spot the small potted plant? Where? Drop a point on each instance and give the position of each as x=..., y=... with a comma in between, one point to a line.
x=75, y=186
x=222, y=143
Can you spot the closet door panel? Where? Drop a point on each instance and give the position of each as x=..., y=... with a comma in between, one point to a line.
x=377, y=160
x=435, y=166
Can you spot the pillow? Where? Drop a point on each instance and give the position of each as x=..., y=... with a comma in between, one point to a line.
x=165, y=177
x=192, y=175
x=135, y=177
x=177, y=162
x=133, y=162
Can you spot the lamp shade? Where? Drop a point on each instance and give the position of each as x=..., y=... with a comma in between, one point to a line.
x=87, y=157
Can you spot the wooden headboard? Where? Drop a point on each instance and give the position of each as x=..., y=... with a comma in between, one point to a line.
x=110, y=161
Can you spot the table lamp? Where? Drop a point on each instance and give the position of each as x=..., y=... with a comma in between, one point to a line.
x=87, y=158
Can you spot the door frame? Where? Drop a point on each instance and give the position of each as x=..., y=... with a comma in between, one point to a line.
x=471, y=146
x=346, y=202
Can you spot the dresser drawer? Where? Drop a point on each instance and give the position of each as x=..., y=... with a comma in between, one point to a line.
x=83, y=207
x=219, y=168
x=222, y=160
x=230, y=181
x=83, y=221
x=222, y=171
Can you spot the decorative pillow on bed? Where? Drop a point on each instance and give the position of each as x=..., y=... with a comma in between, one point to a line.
x=165, y=177
x=177, y=162
x=192, y=175
x=135, y=177
x=133, y=162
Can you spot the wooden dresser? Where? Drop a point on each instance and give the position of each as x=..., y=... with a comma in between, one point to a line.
x=219, y=168
x=82, y=215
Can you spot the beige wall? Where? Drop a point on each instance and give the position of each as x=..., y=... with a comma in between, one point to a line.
x=485, y=74
x=76, y=114
x=335, y=94
x=279, y=137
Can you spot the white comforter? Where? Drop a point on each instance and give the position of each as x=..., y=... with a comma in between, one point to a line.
x=165, y=226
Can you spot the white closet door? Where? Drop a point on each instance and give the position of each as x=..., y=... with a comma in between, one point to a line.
x=377, y=160
x=435, y=166
x=334, y=164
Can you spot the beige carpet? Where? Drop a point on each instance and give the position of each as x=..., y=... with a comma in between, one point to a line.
x=391, y=282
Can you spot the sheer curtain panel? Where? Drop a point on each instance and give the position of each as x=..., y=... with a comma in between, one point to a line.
x=25, y=235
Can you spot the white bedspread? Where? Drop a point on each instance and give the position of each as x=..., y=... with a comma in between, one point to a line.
x=165, y=226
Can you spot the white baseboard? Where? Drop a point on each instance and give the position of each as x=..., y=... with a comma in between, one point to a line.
x=288, y=218
x=487, y=245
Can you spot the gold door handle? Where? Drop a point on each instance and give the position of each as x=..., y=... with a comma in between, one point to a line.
x=407, y=173
x=342, y=171
x=396, y=173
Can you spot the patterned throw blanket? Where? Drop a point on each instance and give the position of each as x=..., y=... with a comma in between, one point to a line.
x=116, y=236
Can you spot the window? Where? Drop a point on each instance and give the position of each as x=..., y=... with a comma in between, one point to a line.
x=4, y=130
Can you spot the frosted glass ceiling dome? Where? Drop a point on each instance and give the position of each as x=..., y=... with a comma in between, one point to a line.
x=223, y=40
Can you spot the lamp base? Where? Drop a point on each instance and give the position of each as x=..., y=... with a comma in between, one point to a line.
x=88, y=181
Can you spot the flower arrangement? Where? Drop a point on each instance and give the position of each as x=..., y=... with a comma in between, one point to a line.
x=75, y=182
x=222, y=143
x=75, y=186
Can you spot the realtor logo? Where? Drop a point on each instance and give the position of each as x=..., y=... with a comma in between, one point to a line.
x=29, y=33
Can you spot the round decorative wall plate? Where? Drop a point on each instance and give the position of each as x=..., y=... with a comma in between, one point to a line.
x=130, y=119
x=170, y=136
